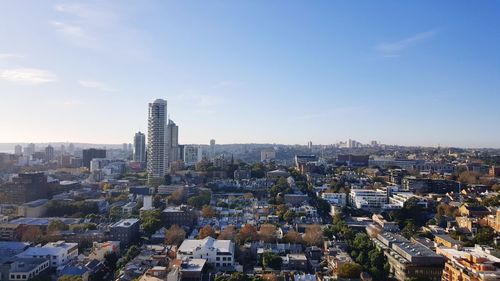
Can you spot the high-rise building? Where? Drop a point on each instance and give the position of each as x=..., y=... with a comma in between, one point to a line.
x=26, y=187
x=139, y=147
x=157, y=142
x=18, y=150
x=29, y=150
x=91, y=153
x=124, y=147
x=71, y=148
x=212, y=149
x=172, y=142
x=49, y=153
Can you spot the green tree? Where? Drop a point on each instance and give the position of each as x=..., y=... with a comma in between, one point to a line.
x=151, y=221
x=349, y=270
x=56, y=225
x=70, y=278
x=271, y=260
x=110, y=260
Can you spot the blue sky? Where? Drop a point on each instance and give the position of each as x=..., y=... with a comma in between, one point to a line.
x=400, y=72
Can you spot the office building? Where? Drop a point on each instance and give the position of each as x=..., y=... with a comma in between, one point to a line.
x=91, y=153
x=126, y=231
x=192, y=154
x=18, y=150
x=157, y=142
x=219, y=253
x=25, y=187
x=49, y=153
x=139, y=147
x=172, y=142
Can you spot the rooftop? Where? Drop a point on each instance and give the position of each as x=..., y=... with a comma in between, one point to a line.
x=125, y=223
x=189, y=245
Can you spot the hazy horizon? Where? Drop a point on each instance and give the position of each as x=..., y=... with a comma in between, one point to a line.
x=252, y=71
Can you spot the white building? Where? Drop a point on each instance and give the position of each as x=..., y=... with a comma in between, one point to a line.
x=338, y=199
x=147, y=203
x=157, y=142
x=219, y=253
x=59, y=253
x=368, y=198
x=399, y=199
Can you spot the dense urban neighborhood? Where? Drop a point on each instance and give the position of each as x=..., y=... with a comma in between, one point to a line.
x=347, y=211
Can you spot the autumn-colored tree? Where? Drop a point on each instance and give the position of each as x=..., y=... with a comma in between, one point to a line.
x=208, y=212
x=248, y=195
x=248, y=233
x=206, y=231
x=293, y=237
x=313, y=235
x=175, y=235
x=267, y=233
x=178, y=196
x=32, y=234
x=270, y=277
x=468, y=177
x=228, y=233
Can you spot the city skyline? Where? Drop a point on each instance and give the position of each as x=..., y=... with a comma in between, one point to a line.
x=320, y=72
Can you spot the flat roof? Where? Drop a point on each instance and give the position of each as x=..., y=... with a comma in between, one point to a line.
x=125, y=223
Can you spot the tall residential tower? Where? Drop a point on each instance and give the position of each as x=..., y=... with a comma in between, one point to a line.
x=157, y=142
x=173, y=142
x=140, y=148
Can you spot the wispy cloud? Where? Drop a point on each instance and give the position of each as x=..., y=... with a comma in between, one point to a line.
x=10, y=56
x=96, y=85
x=394, y=49
x=30, y=76
x=64, y=103
x=75, y=34
x=98, y=26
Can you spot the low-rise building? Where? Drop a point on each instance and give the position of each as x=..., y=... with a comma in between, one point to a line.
x=409, y=259
x=59, y=253
x=10, y=232
x=337, y=199
x=368, y=199
x=20, y=269
x=126, y=231
x=181, y=216
x=219, y=253
x=471, y=264
x=34, y=209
